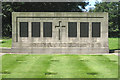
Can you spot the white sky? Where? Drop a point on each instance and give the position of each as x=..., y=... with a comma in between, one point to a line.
x=91, y=3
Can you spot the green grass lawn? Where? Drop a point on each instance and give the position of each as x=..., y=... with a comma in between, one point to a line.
x=113, y=43
x=59, y=66
x=6, y=43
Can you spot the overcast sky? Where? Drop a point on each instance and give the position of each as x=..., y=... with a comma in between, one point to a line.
x=91, y=3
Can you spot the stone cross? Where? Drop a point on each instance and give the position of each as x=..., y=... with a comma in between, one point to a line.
x=59, y=28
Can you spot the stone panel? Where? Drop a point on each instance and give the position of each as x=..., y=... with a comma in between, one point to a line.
x=84, y=29
x=96, y=29
x=35, y=29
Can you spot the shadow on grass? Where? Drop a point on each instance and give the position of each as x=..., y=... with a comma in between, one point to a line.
x=3, y=42
x=5, y=72
x=113, y=50
x=50, y=73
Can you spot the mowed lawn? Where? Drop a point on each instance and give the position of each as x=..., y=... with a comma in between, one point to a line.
x=6, y=43
x=114, y=43
x=59, y=66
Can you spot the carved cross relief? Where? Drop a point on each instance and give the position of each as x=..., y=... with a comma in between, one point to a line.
x=60, y=26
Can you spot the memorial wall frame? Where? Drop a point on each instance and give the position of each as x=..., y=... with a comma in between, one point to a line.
x=60, y=32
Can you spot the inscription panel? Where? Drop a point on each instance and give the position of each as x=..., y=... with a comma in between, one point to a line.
x=65, y=45
x=23, y=29
x=47, y=29
x=35, y=29
x=72, y=29
x=96, y=29
x=84, y=29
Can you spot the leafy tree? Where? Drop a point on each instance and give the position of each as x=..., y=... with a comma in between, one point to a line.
x=112, y=9
x=8, y=7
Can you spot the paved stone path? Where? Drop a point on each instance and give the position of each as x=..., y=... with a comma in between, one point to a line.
x=2, y=54
x=0, y=40
x=84, y=54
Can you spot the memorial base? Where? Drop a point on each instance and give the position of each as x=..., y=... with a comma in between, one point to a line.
x=60, y=50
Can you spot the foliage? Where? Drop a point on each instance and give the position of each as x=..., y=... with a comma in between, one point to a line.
x=113, y=8
x=9, y=7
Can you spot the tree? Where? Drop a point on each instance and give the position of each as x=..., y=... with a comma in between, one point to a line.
x=112, y=9
x=9, y=7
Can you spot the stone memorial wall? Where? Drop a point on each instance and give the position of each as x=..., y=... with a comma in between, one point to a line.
x=60, y=32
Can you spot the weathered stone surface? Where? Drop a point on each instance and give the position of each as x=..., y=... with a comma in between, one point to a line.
x=59, y=42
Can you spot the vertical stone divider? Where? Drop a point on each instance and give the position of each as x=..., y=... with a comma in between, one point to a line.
x=18, y=38
x=78, y=34
x=107, y=23
x=54, y=32
x=14, y=26
x=101, y=33
x=53, y=28
x=41, y=32
x=78, y=31
x=67, y=31
x=29, y=37
x=63, y=31
x=90, y=33
x=104, y=32
x=18, y=31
